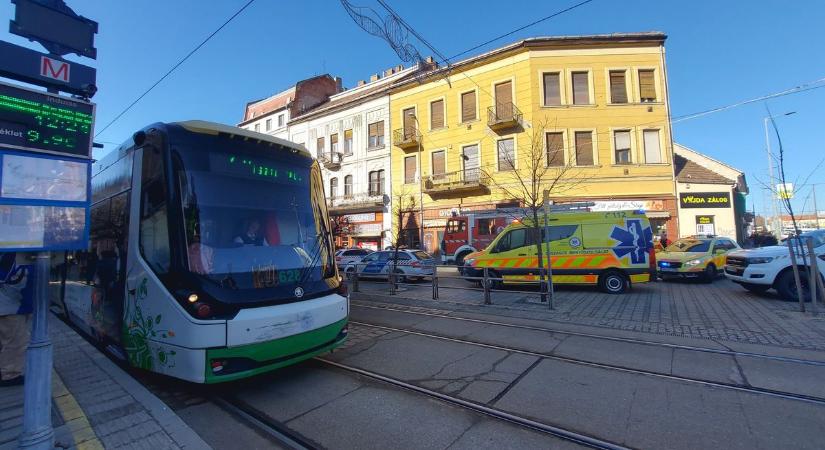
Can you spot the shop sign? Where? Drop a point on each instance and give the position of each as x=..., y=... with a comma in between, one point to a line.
x=361, y=217
x=704, y=220
x=435, y=223
x=371, y=229
x=704, y=200
x=621, y=205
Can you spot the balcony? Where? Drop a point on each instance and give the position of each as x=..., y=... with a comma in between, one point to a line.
x=502, y=116
x=360, y=202
x=406, y=138
x=331, y=160
x=461, y=182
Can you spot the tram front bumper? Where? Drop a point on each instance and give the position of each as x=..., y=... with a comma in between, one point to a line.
x=228, y=364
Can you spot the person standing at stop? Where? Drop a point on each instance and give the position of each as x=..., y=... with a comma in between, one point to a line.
x=15, y=309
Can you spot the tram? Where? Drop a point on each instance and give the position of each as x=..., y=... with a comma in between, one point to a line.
x=210, y=256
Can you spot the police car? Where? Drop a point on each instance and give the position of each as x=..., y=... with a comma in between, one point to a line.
x=412, y=265
x=346, y=258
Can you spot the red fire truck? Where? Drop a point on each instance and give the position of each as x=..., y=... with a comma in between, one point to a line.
x=474, y=231
x=471, y=232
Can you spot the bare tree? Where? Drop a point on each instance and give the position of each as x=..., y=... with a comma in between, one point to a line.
x=403, y=206
x=532, y=174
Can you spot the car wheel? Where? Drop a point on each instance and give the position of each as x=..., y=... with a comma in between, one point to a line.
x=710, y=273
x=400, y=277
x=756, y=288
x=786, y=286
x=349, y=272
x=613, y=281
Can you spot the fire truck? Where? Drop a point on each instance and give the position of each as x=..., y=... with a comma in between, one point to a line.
x=474, y=231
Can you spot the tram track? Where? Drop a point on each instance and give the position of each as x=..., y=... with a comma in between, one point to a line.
x=715, y=384
x=598, y=336
x=558, y=432
x=273, y=429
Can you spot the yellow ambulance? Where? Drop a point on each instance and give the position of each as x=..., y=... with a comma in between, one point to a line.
x=610, y=249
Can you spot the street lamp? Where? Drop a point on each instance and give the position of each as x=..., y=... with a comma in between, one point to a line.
x=777, y=220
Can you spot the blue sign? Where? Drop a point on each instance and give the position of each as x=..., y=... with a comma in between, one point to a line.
x=44, y=202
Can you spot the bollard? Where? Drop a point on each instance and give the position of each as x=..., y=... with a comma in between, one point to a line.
x=392, y=283
x=355, y=280
x=435, y=282
x=486, y=284
x=814, y=279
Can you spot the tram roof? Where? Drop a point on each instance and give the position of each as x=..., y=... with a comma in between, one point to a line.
x=206, y=127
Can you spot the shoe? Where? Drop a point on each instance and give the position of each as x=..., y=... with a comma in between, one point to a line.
x=16, y=381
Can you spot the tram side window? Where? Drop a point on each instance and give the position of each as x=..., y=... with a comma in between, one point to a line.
x=154, y=228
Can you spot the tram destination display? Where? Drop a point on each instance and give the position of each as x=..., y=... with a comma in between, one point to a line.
x=43, y=122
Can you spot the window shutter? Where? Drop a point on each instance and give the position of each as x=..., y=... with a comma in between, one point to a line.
x=621, y=141
x=468, y=106
x=347, y=134
x=504, y=100
x=584, y=148
x=379, y=129
x=409, y=123
x=552, y=94
x=373, y=129
x=581, y=90
x=647, y=86
x=439, y=166
x=437, y=114
x=653, y=153
x=555, y=149
x=618, y=88
x=409, y=169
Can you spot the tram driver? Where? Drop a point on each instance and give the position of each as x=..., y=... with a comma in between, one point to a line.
x=252, y=236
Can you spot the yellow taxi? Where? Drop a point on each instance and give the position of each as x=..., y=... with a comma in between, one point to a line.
x=699, y=257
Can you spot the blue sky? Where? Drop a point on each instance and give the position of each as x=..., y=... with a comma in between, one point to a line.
x=717, y=53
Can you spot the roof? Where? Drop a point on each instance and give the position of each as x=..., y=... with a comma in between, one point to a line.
x=204, y=127
x=688, y=171
x=560, y=41
x=268, y=105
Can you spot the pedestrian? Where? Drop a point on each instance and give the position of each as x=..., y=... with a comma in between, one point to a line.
x=663, y=239
x=15, y=308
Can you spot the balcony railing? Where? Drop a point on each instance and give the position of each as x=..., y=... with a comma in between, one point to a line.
x=331, y=160
x=470, y=179
x=503, y=115
x=406, y=138
x=361, y=201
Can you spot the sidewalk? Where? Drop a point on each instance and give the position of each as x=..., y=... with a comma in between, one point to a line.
x=95, y=404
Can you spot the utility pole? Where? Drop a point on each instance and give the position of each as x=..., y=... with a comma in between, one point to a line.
x=816, y=210
x=420, y=184
x=777, y=220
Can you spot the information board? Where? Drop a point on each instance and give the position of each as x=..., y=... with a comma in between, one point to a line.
x=43, y=122
x=44, y=202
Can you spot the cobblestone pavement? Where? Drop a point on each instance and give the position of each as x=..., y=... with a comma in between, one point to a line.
x=720, y=311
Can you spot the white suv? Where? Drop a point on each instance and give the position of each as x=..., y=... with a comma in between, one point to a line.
x=760, y=269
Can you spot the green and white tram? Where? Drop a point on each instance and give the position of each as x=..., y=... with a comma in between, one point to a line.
x=210, y=256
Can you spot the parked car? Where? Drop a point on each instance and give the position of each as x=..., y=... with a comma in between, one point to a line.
x=411, y=265
x=701, y=257
x=761, y=269
x=346, y=258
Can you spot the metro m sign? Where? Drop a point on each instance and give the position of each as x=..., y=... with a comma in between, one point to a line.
x=54, y=69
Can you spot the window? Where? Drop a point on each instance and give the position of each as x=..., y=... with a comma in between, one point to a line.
x=437, y=114
x=584, y=148
x=513, y=239
x=408, y=116
x=319, y=147
x=559, y=232
x=154, y=226
x=348, y=186
x=333, y=187
x=486, y=227
x=469, y=154
x=555, y=149
x=280, y=120
x=257, y=127
x=268, y=124
x=647, y=86
x=376, y=178
x=456, y=226
x=376, y=134
x=468, y=106
x=409, y=169
x=506, y=154
x=347, y=142
x=618, y=87
x=621, y=144
x=333, y=142
x=504, y=100
x=552, y=91
x=439, y=165
x=653, y=151
x=581, y=88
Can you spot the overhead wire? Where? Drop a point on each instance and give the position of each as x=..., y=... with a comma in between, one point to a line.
x=175, y=66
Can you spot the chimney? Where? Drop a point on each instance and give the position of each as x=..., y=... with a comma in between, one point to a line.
x=431, y=63
x=399, y=68
x=339, y=84
x=373, y=77
x=389, y=71
x=360, y=83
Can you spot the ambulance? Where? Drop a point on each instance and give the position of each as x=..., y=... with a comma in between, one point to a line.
x=609, y=249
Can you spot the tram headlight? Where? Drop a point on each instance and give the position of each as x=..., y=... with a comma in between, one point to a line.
x=193, y=298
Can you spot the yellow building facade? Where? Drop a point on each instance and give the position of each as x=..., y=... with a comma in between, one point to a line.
x=589, y=114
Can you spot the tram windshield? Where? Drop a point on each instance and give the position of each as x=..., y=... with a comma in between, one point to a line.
x=256, y=222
